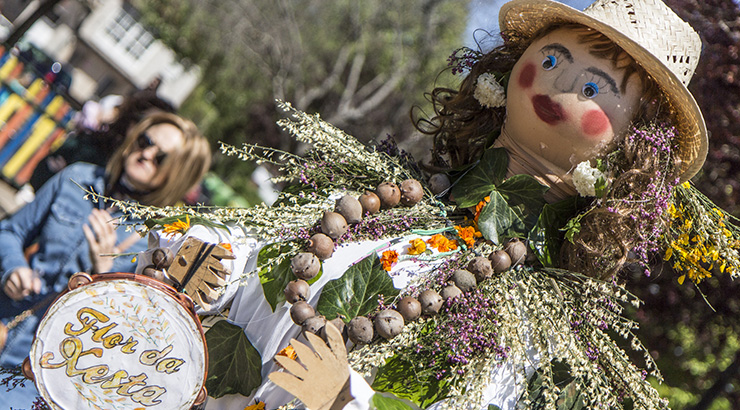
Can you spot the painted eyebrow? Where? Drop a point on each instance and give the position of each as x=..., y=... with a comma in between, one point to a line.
x=606, y=77
x=559, y=48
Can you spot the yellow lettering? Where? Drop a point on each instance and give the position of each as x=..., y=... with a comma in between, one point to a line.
x=114, y=381
x=99, y=333
x=132, y=381
x=148, y=395
x=113, y=340
x=87, y=322
x=128, y=347
x=71, y=350
x=149, y=357
x=169, y=365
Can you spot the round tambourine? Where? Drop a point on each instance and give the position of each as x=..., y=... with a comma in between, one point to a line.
x=120, y=341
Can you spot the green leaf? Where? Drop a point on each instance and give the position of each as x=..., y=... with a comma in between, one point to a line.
x=398, y=376
x=482, y=178
x=525, y=191
x=234, y=365
x=386, y=401
x=497, y=219
x=275, y=277
x=570, y=397
x=493, y=407
x=356, y=292
x=546, y=237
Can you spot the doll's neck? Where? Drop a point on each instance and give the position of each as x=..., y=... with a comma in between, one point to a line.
x=524, y=161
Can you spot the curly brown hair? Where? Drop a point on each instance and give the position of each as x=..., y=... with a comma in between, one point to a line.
x=462, y=128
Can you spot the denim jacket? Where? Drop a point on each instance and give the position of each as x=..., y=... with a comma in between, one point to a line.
x=54, y=219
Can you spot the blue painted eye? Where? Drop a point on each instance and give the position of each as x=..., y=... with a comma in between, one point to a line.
x=549, y=62
x=590, y=90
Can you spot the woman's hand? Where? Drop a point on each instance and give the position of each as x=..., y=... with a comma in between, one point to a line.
x=21, y=283
x=102, y=240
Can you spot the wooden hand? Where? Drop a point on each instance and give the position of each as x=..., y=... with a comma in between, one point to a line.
x=322, y=382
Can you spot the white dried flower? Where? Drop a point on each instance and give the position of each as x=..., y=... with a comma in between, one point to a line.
x=489, y=92
x=585, y=178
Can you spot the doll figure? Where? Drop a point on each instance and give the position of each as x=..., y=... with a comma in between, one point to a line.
x=578, y=161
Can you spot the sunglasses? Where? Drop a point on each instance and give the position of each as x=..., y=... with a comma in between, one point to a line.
x=143, y=141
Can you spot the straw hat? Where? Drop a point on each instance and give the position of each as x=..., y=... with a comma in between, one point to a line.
x=648, y=30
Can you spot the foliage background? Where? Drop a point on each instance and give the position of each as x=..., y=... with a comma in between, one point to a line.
x=362, y=65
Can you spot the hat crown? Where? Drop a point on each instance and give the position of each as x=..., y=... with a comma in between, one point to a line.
x=655, y=27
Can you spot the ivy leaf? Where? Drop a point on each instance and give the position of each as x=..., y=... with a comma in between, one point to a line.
x=356, y=292
x=547, y=236
x=524, y=190
x=482, y=178
x=276, y=272
x=497, y=219
x=234, y=365
x=388, y=402
x=400, y=377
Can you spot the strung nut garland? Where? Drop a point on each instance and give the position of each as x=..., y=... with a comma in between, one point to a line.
x=387, y=323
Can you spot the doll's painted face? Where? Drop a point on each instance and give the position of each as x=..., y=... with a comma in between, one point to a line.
x=565, y=104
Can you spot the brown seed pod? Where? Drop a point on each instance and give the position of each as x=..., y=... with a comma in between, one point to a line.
x=450, y=291
x=500, y=261
x=431, y=302
x=409, y=308
x=517, y=251
x=333, y=224
x=389, y=195
x=162, y=258
x=321, y=245
x=314, y=324
x=300, y=311
x=297, y=290
x=480, y=266
x=360, y=330
x=438, y=183
x=464, y=280
x=388, y=323
x=350, y=208
x=370, y=203
x=305, y=265
x=411, y=192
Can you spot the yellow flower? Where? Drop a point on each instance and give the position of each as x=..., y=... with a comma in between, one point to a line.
x=417, y=246
x=686, y=185
x=388, y=259
x=441, y=243
x=260, y=405
x=177, y=227
x=668, y=254
x=681, y=279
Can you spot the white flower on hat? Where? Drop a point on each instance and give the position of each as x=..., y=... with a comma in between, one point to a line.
x=587, y=179
x=489, y=92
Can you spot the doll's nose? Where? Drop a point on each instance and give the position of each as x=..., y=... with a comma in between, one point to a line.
x=565, y=82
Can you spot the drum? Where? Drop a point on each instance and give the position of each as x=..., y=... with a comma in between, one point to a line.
x=120, y=341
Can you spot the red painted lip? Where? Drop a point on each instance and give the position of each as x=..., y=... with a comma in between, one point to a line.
x=548, y=110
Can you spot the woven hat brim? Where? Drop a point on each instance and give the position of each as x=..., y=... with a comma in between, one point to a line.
x=527, y=17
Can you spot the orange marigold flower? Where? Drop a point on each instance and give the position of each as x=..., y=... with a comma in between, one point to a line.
x=441, y=243
x=468, y=234
x=177, y=227
x=480, y=206
x=260, y=405
x=226, y=246
x=288, y=352
x=388, y=259
x=417, y=246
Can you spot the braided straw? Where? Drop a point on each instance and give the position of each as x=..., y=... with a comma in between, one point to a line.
x=648, y=30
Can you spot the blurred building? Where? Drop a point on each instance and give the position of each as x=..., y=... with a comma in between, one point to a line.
x=105, y=48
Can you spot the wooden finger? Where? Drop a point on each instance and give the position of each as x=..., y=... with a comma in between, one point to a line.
x=288, y=382
x=293, y=367
x=319, y=346
x=305, y=354
x=335, y=341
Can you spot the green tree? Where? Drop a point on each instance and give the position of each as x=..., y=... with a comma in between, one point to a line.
x=361, y=65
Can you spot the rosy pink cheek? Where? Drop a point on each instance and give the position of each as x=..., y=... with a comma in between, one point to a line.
x=594, y=122
x=526, y=77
